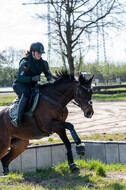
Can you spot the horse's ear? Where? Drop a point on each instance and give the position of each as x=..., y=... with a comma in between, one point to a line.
x=81, y=79
x=90, y=80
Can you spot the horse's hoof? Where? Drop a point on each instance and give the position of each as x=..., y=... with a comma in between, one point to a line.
x=74, y=168
x=80, y=149
x=6, y=171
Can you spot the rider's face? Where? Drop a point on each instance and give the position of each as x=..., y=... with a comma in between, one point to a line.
x=37, y=55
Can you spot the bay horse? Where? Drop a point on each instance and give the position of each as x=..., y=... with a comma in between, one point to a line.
x=50, y=114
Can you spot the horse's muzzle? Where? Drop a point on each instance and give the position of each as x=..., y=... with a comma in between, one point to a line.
x=88, y=114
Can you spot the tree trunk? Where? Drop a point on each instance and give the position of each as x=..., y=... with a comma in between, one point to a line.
x=69, y=39
x=71, y=63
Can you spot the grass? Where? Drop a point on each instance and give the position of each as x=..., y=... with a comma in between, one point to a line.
x=113, y=89
x=105, y=137
x=93, y=175
x=95, y=137
x=50, y=139
x=7, y=99
x=109, y=97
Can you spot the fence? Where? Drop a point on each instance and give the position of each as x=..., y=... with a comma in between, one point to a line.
x=6, y=90
x=114, y=89
x=101, y=89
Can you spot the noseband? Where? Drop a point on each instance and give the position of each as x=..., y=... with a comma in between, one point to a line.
x=79, y=100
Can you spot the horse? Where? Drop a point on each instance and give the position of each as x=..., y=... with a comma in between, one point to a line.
x=50, y=115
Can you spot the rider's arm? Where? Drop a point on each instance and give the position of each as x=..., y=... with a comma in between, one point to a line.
x=22, y=73
x=47, y=71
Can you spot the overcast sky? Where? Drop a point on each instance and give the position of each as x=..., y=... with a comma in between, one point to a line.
x=19, y=29
x=17, y=26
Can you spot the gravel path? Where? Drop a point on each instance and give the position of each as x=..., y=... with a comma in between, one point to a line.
x=108, y=117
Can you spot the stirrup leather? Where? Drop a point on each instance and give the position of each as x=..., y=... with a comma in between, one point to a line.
x=16, y=122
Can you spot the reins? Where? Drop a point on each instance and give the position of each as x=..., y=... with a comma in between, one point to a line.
x=76, y=96
x=55, y=103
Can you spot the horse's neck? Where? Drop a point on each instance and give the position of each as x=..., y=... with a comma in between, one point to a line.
x=62, y=93
x=66, y=93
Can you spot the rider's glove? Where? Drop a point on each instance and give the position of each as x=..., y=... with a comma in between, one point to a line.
x=51, y=81
x=36, y=78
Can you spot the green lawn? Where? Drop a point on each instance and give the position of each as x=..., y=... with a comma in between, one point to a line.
x=105, y=97
x=7, y=99
x=94, y=175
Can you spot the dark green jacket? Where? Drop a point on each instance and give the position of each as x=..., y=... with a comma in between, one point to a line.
x=29, y=67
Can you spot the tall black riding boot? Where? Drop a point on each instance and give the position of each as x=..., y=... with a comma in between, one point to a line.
x=21, y=110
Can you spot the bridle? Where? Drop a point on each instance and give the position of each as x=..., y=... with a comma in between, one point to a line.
x=79, y=100
x=77, y=97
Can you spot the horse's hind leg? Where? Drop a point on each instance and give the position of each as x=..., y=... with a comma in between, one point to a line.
x=17, y=146
x=4, y=141
x=3, y=148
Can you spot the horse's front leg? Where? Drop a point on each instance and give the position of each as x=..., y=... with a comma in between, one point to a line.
x=73, y=166
x=60, y=128
x=80, y=148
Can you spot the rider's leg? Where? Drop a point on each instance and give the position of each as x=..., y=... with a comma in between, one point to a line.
x=23, y=91
x=21, y=108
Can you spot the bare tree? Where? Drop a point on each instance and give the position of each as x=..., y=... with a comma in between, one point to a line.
x=70, y=19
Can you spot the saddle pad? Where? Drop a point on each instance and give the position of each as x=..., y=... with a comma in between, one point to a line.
x=14, y=108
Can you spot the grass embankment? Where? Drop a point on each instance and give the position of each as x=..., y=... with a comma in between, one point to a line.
x=105, y=137
x=95, y=137
x=93, y=175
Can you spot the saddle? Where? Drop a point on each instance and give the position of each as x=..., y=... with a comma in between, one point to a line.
x=31, y=107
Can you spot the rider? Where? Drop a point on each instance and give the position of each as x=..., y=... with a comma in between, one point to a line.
x=30, y=68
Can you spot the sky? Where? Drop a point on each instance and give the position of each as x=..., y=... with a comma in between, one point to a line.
x=18, y=28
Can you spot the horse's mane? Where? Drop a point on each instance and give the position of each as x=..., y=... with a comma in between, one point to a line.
x=60, y=76
x=63, y=75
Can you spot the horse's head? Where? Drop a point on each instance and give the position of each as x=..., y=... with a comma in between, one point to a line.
x=83, y=95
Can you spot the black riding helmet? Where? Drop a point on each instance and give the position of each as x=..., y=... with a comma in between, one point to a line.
x=37, y=47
